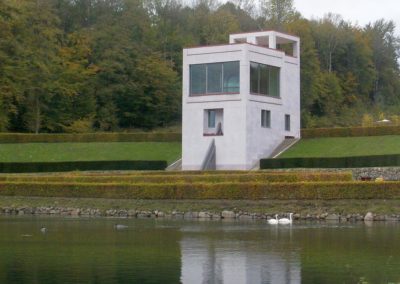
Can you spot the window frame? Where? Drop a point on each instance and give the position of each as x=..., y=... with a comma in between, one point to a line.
x=265, y=118
x=287, y=122
x=268, y=80
x=206, y=87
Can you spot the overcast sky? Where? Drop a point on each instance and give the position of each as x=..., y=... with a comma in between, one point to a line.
x=357, y=11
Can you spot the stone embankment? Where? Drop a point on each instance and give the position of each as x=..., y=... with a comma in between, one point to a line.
x=226, y=214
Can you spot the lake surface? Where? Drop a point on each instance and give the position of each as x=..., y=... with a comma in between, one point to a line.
x=173, y=251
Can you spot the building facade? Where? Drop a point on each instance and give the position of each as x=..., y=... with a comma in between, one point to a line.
x=242, y=97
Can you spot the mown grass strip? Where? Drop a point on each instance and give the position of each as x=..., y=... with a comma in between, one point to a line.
x=229, y=190
x=217, y=178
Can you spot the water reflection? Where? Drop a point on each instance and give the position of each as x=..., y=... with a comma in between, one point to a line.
x=237, y=256
x=173, y=251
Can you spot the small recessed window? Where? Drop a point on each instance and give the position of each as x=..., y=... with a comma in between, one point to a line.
x=213, y=122
x=287, y=122
x=265, y=118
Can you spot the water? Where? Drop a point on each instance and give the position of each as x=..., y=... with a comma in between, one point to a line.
x=173, y=251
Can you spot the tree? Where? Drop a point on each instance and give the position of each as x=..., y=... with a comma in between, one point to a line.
x=386, y=49
x=278, y=12
x=328, y=35
x=219, y=25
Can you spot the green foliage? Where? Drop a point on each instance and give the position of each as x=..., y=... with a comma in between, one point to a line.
x=82, y=65
x=351, y=131
x=230, y=191
x=185, y=178
x=89, y=137
x=39, y=167
x=332, y=162
x=278, y=12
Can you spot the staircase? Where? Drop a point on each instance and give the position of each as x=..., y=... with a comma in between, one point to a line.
x=286, y=144
x=175, y=166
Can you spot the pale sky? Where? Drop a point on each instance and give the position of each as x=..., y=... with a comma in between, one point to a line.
x=359, y=12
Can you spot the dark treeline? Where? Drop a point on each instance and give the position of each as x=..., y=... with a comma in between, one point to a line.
x=83, y=65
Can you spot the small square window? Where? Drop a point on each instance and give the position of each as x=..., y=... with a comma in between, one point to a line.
x=287, y=122
x=213, y=122
x=265, y=118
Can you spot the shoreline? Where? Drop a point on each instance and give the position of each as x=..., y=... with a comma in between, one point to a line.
x=308, y=210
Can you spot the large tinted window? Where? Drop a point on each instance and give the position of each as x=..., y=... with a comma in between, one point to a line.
x=198, y=79
x=215, y=78
x=231, y=77
x=264, y=79
x=254, y=78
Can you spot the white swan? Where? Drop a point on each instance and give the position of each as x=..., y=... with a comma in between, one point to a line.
x=273, y=221
x=285, y=221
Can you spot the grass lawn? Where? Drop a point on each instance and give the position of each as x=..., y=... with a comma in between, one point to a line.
x=56, y=152
x=345, y=146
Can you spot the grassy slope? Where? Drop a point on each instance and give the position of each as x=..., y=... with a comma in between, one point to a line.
x=346, y=146
x=47, y=152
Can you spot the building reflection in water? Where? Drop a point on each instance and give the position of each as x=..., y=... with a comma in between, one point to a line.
x=210, y=260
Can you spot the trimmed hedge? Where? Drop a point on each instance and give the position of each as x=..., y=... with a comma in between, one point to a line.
x=90, y=137
x=218, y=178
x=233, y=191
x=284, y=177
x=38, y=167
x=336, y=162
x=350, y=131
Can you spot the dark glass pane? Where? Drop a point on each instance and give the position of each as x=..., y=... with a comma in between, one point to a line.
x=268, y=124
x=274, y=81
x=231, y=77
x=197, y=79
x=287, y=122
x=253, y=78
x=214, y=78
x=264, y=79
x=263, y=115
x=211, y=119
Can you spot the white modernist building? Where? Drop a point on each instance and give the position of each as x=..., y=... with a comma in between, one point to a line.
x=240, y=100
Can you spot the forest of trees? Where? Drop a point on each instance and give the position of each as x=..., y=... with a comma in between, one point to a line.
x=106, y=65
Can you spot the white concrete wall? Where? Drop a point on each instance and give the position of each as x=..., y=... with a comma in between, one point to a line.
x=231, y=147
x=244, y=141
x=261, y=142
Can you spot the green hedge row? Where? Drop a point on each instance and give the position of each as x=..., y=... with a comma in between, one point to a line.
x=39, y=167
x=339, y=162
x=89, y=137
x=250, y=177
x=350, y=131
x=247, y=191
